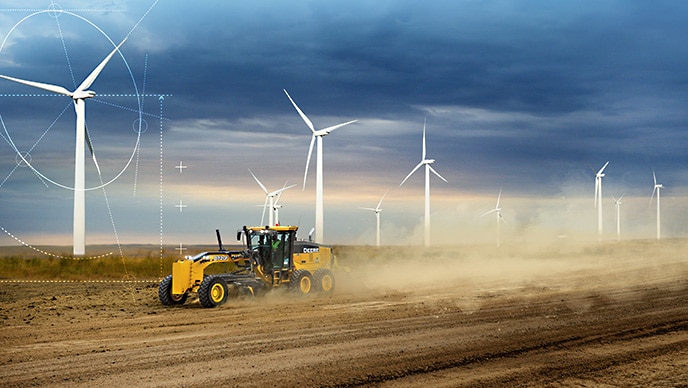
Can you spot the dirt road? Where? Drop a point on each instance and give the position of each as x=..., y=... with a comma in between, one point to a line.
x=574, y=319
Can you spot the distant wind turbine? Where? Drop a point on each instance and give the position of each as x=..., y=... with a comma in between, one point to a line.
x=269, y=197
x=598, y=199
x=657, y=187
x=425, y=162
x=377, y=211
x=316, y=134
x=498, y=211
x=276, y=206
x=617, y=204
x=79, y=96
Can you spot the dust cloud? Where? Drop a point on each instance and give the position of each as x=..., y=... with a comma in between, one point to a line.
x=468, y=275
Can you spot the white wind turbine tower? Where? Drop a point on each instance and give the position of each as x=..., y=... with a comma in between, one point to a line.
x=377, y=211
x=657, y=188
x=269, y=197
x=498, y=211
x=617, y=204
x=425, y=162
x=79, y=96
x=598, y=199
x=317, y=134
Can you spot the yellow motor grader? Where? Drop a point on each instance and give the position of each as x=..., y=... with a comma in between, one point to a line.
x=270, y=257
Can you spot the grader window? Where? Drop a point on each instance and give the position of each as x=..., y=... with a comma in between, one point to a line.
x=280, y=251
x=260, y=242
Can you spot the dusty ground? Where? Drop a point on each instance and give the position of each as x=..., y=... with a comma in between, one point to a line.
x=601, y=317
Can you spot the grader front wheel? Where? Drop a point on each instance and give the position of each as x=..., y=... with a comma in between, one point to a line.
x=165, y=293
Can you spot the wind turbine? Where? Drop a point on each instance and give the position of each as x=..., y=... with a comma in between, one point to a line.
x=276, y=207
x=317, y=134
x=498, y=211
x=425, y=162
x=269, y=197
x=598, y=199
x=79, y=96
x=657, y=188
x=377, y=211
x=617, y=203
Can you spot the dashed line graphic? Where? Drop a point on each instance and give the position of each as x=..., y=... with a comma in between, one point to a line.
x=77, y=281
x=52, y=254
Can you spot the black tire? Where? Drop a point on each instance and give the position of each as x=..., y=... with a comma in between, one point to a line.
x=213, y=291
x=323, y=281
x=301, y=282
x=165, y=293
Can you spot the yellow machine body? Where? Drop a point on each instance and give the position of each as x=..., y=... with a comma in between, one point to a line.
x=272, y=257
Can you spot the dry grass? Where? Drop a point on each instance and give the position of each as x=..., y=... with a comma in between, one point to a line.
x=102, y=263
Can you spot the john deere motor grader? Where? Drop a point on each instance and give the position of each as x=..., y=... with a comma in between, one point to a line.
x=272, y=257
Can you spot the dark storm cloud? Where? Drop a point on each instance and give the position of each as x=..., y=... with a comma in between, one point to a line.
x=518, y=94
x=547, y=62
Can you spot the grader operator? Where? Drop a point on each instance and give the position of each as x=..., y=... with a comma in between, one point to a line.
x=271, y=257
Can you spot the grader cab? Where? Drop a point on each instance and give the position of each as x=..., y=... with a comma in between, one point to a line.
x=270, y=257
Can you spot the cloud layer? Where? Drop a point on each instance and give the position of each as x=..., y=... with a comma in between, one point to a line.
x=523, y=96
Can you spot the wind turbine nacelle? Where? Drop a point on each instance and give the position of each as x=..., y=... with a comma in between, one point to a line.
x=429, y=161
x=83, y=94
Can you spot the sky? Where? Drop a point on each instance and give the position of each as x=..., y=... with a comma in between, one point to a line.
x=528, y=97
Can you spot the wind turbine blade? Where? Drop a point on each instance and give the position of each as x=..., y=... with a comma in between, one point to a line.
x=279, y=195
x=308, y=161
x=260, y=184
x=381, y=199
x=436, y=173
x=499, y=197
x=332, y=128
x=276, y=192
x=654, y=177
x=303, y=116
x=502, y=218
x=88, y=139
x=603, y=167
x=488, y=212
x=411, y=173
x=40, y=85
x=369, y=208
x=90, y=147
x=423, y=157
x=94, y=74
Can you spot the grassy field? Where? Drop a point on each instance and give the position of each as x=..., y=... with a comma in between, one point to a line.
x=102, y=262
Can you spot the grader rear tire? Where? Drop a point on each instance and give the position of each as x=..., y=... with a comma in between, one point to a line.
x=213, y=291
x=324, y=281
x=165, y=293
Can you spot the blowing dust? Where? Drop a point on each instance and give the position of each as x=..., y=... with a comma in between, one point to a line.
x=471, y=273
